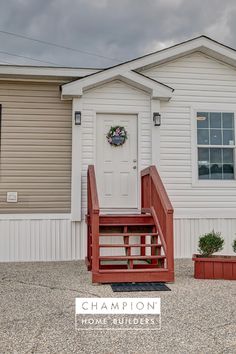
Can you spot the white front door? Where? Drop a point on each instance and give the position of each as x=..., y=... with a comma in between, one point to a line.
x=116, y=166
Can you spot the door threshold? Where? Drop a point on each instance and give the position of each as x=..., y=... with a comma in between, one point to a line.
x=120, y=211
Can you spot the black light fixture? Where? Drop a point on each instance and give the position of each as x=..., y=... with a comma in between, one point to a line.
x=156, y=119
x=77, y=118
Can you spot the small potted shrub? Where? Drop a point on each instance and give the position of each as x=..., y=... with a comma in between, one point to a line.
x=210, y=266
x=234, y=245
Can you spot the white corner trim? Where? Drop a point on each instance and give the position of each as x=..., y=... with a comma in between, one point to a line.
x=156, y=135
x=76, y=162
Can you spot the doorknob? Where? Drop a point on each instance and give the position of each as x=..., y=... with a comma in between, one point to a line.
x=134, y=167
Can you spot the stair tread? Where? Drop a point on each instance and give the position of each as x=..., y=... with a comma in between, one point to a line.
x=131, y=257
x=127, y=224
x=129, y=234
x=126, y=220
x=131, y=245
x=134, y=270
x=125, y=215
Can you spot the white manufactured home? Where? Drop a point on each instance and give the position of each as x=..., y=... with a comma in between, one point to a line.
x=177, y=109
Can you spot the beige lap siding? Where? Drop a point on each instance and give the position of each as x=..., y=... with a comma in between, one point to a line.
x=35, y=158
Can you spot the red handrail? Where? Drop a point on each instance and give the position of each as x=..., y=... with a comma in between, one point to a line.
x=93, y=204
x=159, y=187
x=156, y=221
x=92, y=220
x=154, y=198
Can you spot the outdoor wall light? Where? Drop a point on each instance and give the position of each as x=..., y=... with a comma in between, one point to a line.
x=156, y=119
x=77, y=118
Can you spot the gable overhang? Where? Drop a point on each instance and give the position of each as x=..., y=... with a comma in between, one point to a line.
x=201, y=44
x=156, y=89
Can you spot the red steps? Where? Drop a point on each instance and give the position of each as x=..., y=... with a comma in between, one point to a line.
x=146, y=239
x=127, y=220
x=133, y=275
x=152, y=265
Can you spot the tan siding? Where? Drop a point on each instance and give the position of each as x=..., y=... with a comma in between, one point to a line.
x=35, y=148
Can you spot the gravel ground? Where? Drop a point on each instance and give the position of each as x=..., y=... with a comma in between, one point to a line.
x=37, y=313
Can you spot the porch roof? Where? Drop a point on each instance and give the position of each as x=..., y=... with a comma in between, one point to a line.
x=156, y=89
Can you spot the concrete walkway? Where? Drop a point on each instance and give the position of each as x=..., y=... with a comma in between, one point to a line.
x=37, y=313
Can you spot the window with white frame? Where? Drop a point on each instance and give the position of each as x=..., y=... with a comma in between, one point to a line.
x=215, y=145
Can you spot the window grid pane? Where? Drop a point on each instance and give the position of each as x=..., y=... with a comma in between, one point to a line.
x=216, y=130
x=216, y=163
x=220, y=132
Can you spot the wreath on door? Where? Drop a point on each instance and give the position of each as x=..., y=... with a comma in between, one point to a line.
x=117, y=135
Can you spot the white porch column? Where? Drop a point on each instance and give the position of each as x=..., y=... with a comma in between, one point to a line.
x=155, y=107
x=76, y=162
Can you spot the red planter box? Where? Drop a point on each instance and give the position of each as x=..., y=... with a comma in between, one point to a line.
x=214, y=267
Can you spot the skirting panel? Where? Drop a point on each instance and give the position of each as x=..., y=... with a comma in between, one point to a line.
x=41, y=240
x=187, y=232
x=64, y=240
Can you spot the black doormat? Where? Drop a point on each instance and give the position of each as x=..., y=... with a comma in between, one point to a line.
x=129, y=287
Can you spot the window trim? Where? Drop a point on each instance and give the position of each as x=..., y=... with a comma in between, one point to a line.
x=196, y=182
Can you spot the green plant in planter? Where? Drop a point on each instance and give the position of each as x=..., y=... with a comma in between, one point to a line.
x=210, y=243
x=234, y=245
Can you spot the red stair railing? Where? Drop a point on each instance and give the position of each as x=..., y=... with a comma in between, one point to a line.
x=154, y=198
x=93, y=221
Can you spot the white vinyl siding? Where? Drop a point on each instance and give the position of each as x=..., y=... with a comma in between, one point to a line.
x=35, y=148
x=201, y=84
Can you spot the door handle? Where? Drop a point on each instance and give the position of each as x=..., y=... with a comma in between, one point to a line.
x=134, y=167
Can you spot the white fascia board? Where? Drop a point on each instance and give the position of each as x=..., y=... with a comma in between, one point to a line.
x=155, y=88
x=203, y=44
x=88, y=82
x=45, y=71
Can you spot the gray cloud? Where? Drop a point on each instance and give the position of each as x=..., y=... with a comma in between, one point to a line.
x=120, y=29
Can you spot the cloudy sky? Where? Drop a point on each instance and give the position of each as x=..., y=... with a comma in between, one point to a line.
x=105, y=32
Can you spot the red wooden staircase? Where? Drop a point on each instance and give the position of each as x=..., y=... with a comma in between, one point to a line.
x=136, y=247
